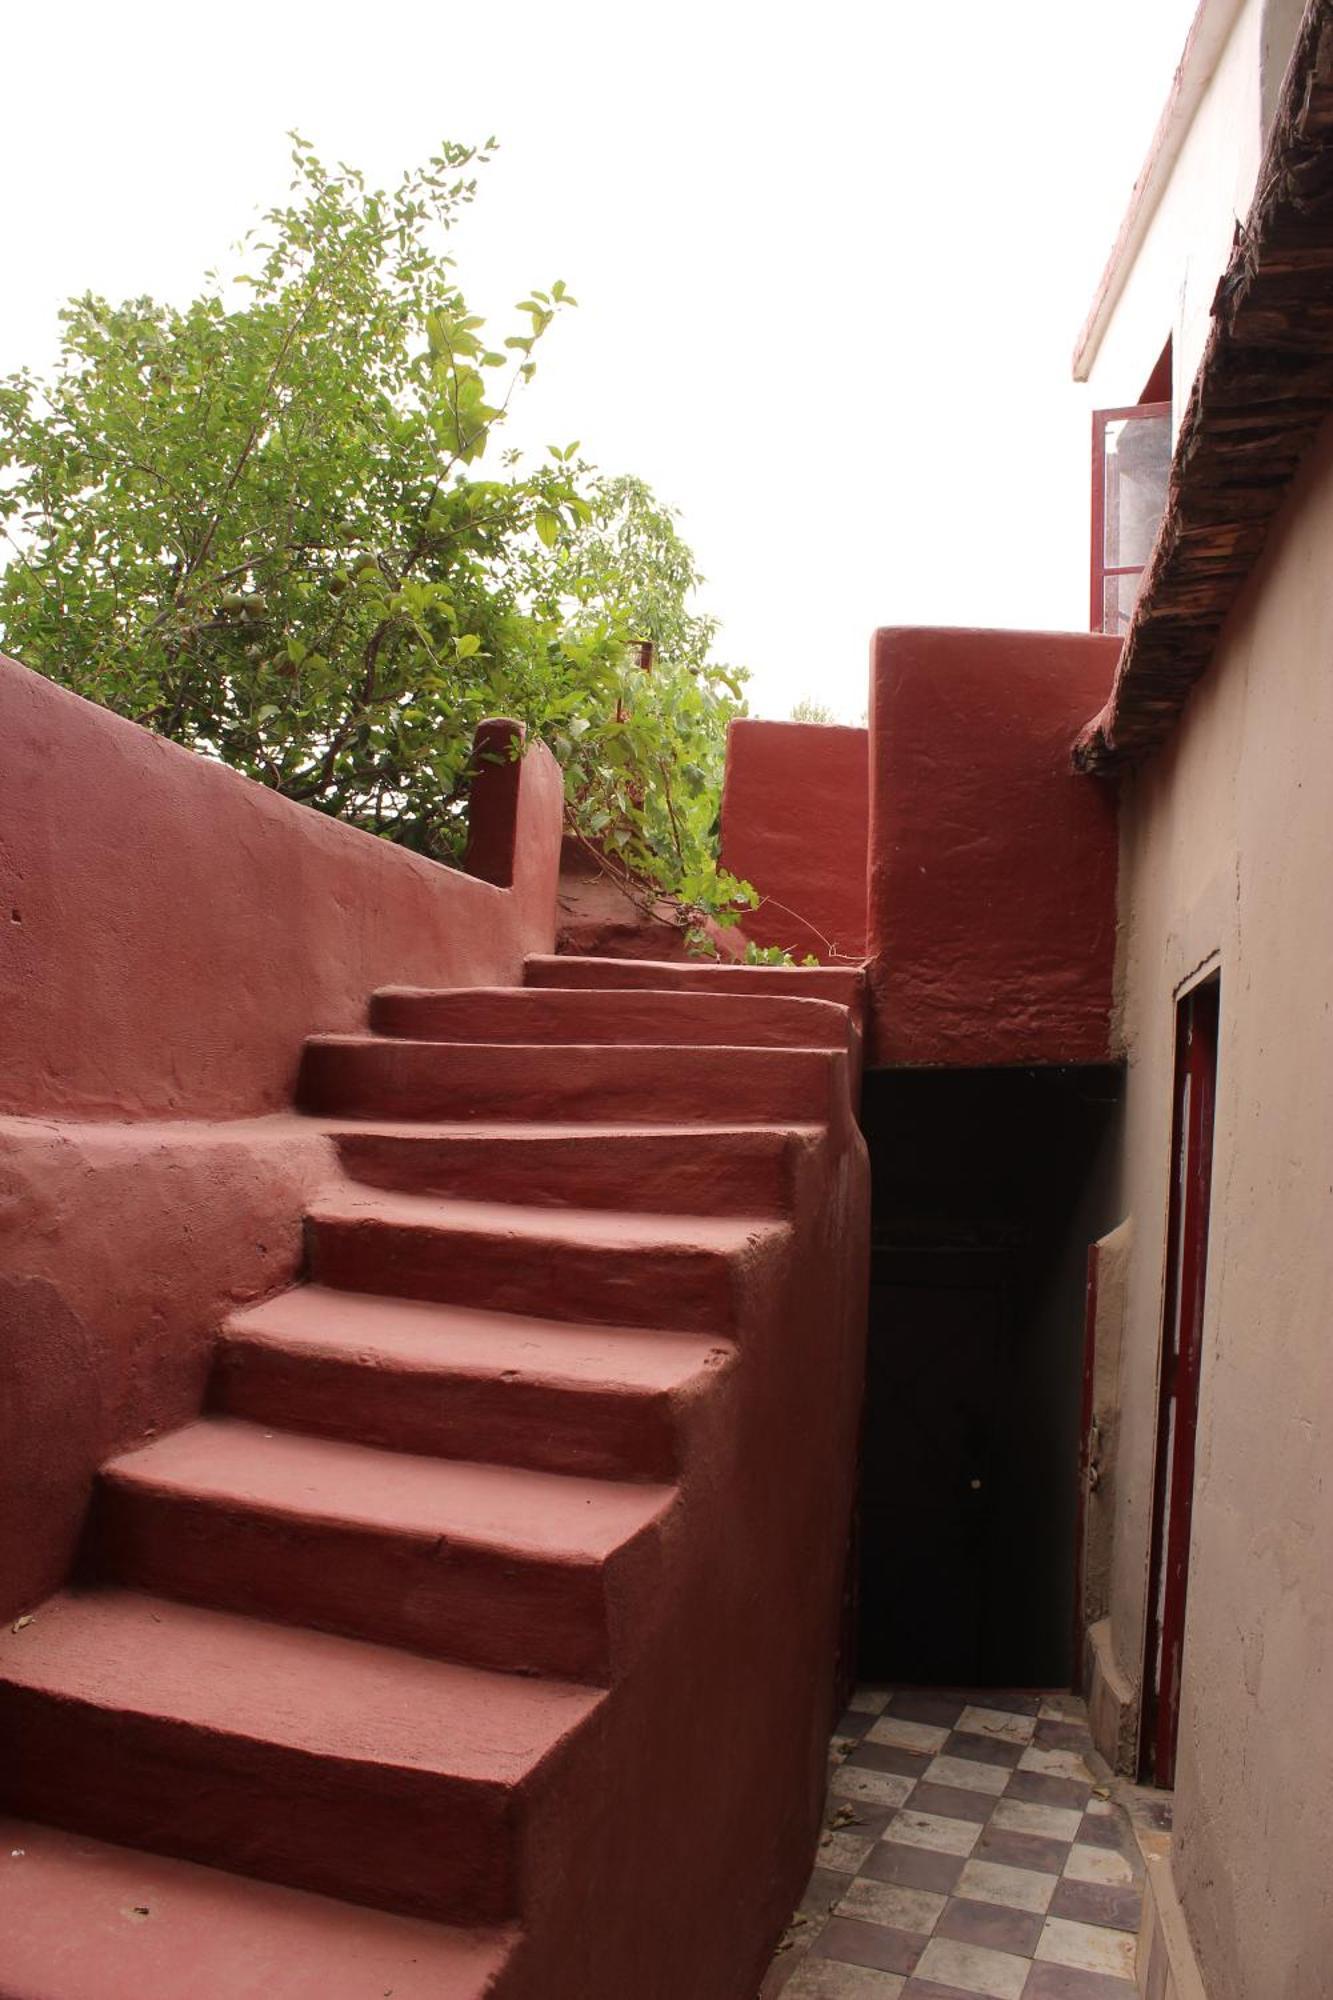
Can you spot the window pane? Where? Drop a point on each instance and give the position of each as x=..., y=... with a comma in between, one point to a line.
x=1119, y=595
x=1138, y=459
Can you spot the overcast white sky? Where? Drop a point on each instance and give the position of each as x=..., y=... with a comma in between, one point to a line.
x=831, y=259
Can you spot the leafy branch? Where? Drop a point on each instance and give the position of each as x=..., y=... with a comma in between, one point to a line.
x=318, y=580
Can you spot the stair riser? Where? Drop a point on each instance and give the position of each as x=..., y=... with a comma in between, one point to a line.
x=546, y=1427
x=647, y=1173
x=625, y=1018
x=447, y=1080
x=396, y=1839
x=845, y=987
x=678, y=1289
x=454, y=1600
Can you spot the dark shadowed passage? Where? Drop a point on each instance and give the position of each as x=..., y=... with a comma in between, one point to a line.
x=988, y=1187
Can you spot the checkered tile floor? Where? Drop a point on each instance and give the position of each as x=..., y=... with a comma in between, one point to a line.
x=970, y=1851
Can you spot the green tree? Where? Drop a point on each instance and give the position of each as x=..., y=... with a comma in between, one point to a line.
x=647, y=782
x=260, y=526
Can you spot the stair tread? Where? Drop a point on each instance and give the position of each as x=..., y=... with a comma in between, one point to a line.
x=418, y=1335
x=794, y=1055
x=688, y=999
x=560, y=1516
x=578, y=969
x=517, y=1130
x=703, y=967
x=645, y=1016
x=286, y=1685
x=592, y=1228
x=81, y=1919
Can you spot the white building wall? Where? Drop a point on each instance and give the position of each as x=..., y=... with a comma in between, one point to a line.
x=1170, y=287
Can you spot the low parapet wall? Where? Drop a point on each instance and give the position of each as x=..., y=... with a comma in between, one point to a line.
x=169, y=935
x=173, y=931
x=795, y=808
x=992, y=895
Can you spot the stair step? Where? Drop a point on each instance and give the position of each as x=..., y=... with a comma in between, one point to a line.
x=384, y=1077
x=844, y=985
x=679, y=1272
x=613, y=1402
x=604, y=935
x=675, y=1169
x=83, y=1920
x=644, y=1017
x=494, y=1565
x=292, y=1755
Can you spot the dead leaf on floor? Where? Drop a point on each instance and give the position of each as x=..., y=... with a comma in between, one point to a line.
x=1101, y=1791
x=19, y=1623
x=792, y=1935
x=136, y=1912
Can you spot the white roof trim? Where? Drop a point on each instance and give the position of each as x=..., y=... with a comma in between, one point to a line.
x=1209, y=33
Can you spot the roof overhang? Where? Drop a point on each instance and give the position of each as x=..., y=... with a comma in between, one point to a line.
x=1209, y=33
x=1263, y=390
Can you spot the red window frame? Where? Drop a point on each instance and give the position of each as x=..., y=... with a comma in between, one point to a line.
x=1101, y=419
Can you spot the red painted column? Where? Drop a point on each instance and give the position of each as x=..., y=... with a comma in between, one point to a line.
x=992, y=863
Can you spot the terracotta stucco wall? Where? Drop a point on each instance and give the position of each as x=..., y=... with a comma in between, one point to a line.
x=1227, y=858
x=795, y=810
x=992, y=864
x=169, y=934
x=173, y=931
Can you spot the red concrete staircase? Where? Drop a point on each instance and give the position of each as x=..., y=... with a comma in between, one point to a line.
x=477, y=1638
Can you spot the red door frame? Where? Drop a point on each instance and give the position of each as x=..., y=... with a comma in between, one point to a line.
x=1192, y=1118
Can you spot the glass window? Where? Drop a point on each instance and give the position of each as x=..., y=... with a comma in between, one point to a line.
x=1131, y=462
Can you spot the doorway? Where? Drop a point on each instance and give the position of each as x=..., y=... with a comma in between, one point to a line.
x=1192, y=1116
x=987, y=1186
x=936, y=1370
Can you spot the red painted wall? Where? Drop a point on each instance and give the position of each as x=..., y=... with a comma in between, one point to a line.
x=993, y=865
x=172, y=931
x=795, y=813
x=122, y=1246
x=169, y=935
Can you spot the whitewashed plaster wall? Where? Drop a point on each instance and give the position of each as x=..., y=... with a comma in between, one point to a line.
x=1173, y=277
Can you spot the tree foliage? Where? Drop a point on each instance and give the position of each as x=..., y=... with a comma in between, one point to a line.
x=647, y=782
x=261, y=526
x=807, y=709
